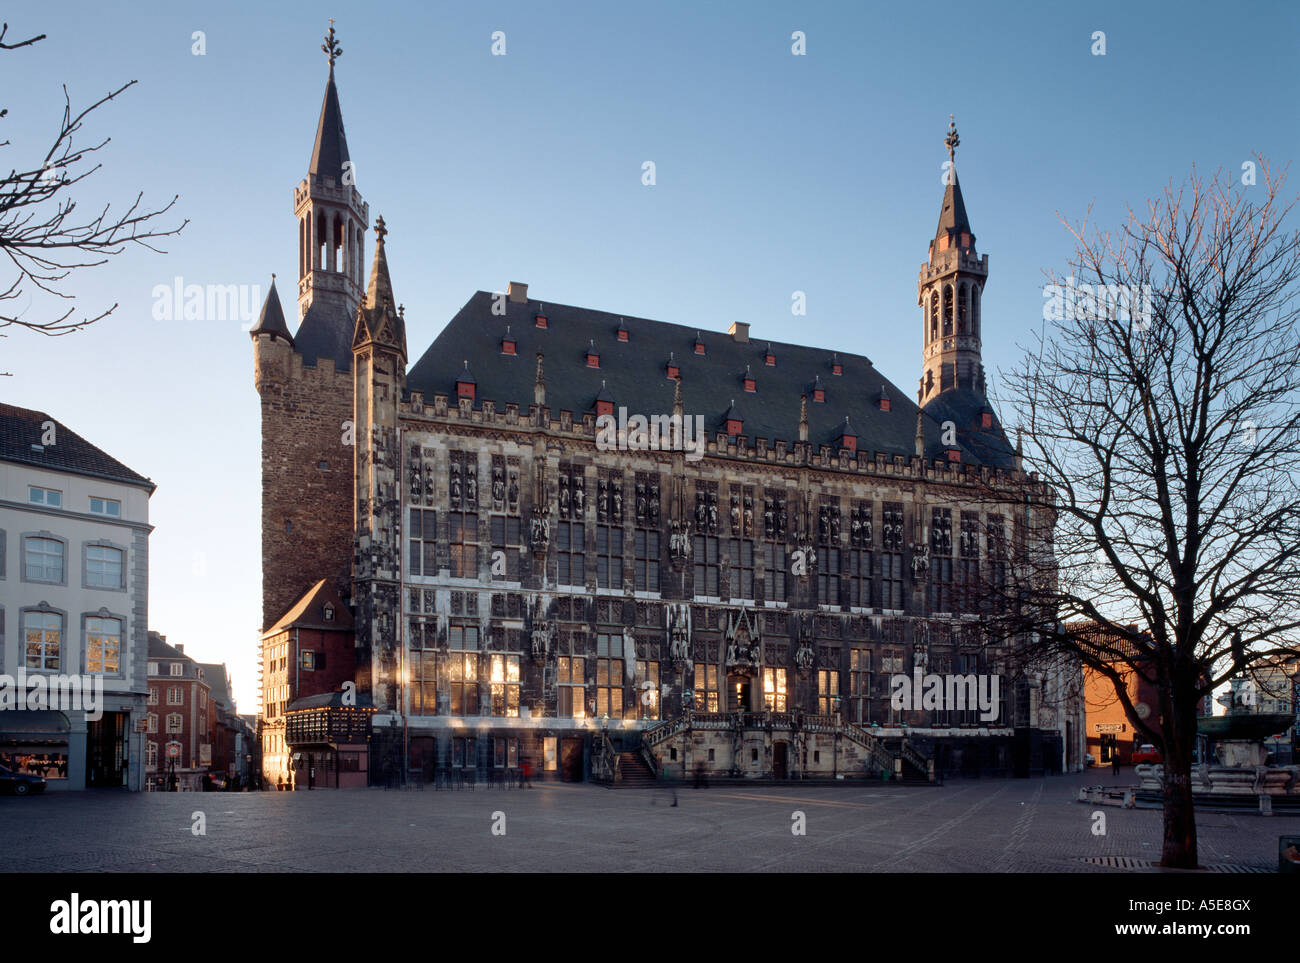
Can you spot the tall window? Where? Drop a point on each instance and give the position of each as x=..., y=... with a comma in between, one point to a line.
x=571, y=680
x=175, y=722
x=42, y=639
x=609, y=556
x=570, y=546
x=645, y=548
x=103, y=567
x=940, y=575
x=464, y=753
x=505, y=684
x=740, y=559
x=858, y=570
x=152, y=722
x=647, y=689
x=706, y=687
x=151, y=750
x=464, y=545
x=424, y=662
x=104, y=646
x=706, y=565
x=891, y=557
x=996, y=536
x=609, y=676
x=774, y=694
x=153, y=695
x=828, y=577
x=506, y=539
x=175, y=695
x=968, y=564
x=774, y=562
x=44, y=559
x=462, y=670
x=828, y=690
x=860, y=685
x=424, y=545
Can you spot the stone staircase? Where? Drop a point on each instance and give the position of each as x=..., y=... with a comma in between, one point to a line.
x=633, y=772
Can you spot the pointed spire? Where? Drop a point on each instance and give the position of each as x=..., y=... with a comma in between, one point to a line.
x=379, y=292
x=1020, y=452
x=330, y=152
x=803, y=417
x=952, y=216
x=271, y=320
x=539, y=384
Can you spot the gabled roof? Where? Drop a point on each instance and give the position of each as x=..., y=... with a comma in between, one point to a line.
x=218, y=682
x=21, y=431
x=635, y=374
x=330, y=151
x=309, y=611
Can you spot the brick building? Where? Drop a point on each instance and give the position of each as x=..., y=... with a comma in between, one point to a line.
x=528, y=582
x=179, y=714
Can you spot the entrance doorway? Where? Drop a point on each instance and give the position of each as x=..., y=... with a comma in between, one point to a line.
x=738, y=694
x=779, y=767
x=571, y=760
x=106, y=750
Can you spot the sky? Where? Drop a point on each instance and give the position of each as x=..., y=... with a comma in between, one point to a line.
x=774, y=173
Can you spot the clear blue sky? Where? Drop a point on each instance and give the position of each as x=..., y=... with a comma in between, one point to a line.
x=776, y=173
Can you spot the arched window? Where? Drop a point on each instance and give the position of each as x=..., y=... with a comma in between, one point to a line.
x=975, y=309
x=934, y=315
x=947, y=310
x=963, y=301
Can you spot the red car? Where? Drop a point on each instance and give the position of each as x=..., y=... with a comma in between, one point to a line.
x=1148, y=754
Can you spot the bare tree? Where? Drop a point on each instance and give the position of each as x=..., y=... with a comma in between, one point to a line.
x=42, y=232
x=1161, y=404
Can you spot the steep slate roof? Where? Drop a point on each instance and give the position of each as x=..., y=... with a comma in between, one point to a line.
x=330, y=700
x=21, y=429
x=952, y=216
x=326, y=332
x=963, y=407
x=218, y=682
x=635, y=374
x=309, y=611
x=330, y=152
x=271, y=320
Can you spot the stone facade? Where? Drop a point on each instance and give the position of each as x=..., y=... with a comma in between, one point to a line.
x=523, y=589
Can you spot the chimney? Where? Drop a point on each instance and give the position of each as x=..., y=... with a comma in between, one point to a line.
x=179, y=648
x=517, y=292
x=739, y=331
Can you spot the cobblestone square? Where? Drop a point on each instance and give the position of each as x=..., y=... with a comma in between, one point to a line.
x=983, y=826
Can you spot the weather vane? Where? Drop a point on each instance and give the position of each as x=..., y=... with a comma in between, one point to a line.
x=331, y=48
x=952, y=140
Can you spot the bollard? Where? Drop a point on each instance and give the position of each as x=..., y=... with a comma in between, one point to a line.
x=1130, y=798
x=1265, y=804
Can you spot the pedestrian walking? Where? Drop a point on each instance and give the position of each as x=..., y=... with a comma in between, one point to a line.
x=528, y=774
x=1114, y=762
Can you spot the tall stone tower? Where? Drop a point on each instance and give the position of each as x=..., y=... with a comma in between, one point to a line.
x=304, y=382
x=948, y=291
x=379, y=375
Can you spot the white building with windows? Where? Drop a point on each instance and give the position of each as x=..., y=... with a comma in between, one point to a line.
x=74, y=605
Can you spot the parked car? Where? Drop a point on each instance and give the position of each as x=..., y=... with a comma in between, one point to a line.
x=1089, y=760
x=20, y=783
x=1147, y=753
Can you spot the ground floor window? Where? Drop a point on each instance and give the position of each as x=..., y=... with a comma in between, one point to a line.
x=706, y=687
x=548, y=753
x=828, y=691
x=505, y=752
x=464, y=753
x=774, y=694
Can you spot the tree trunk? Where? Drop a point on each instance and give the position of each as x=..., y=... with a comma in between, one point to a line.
x=1180, y=815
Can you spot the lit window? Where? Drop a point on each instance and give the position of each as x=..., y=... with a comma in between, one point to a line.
x=104, y=646
x=42, y=638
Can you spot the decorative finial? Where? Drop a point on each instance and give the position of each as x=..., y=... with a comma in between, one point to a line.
x=401, y=311
x=331, y=47
x=272, y=275
x=952, y=140
x=380, y=230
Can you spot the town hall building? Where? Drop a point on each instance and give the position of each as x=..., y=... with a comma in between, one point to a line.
x=520, y=572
